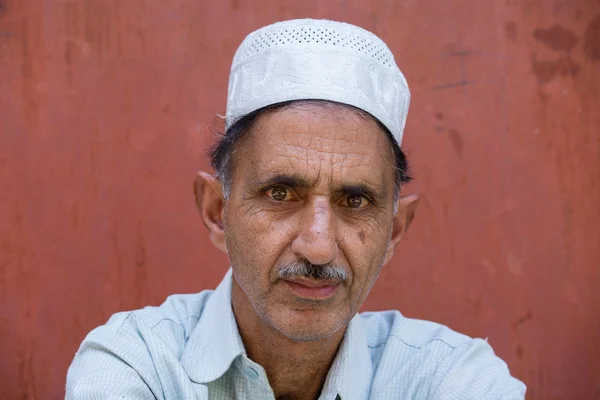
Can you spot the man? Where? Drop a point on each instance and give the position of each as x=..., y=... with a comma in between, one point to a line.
x=306, y=203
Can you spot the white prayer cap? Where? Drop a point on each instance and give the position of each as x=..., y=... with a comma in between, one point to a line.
x=307, y=59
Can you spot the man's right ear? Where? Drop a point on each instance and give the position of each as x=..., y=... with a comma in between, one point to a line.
x=210, y=204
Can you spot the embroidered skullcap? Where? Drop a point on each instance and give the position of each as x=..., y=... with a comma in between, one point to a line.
x=307, y=59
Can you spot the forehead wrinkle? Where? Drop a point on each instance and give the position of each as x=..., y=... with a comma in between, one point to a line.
x=327, y=146
x=372, y=180
x=316, y=173
x=314, y=159
x=349, y=158
x=283, y=144
x=295, y=158
x=309, y=136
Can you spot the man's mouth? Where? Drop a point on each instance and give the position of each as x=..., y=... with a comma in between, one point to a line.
x=312, y=289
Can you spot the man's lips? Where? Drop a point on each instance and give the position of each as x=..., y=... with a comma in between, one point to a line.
x=312, y=289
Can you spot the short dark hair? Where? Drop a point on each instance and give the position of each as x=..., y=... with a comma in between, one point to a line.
x=222, y=152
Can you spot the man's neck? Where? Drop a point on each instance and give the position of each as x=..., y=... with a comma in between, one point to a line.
x=296, y=370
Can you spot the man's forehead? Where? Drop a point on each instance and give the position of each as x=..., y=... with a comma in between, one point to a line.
x=319, y=127
x=298, y=172
x=313, y=143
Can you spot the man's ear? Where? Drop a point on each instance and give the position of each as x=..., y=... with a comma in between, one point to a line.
x=210, y=204
x=406, y=208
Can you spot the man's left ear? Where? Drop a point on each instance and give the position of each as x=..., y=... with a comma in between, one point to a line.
x=406, y=208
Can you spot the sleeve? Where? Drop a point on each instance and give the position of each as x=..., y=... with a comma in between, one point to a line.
x=112, y=364
x=473, y=371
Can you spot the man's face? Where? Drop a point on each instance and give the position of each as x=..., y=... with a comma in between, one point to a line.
x=312, y=184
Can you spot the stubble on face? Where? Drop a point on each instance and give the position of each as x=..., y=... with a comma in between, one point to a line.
x=312, y=186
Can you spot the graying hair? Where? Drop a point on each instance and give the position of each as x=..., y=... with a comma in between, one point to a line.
x=303, y=268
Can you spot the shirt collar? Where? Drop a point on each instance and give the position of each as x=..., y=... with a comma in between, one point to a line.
x=215, y=343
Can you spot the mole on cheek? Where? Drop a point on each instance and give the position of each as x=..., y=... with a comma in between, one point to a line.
x=361, y=236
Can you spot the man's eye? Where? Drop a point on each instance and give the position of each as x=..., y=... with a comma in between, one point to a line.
x=356, y=201
x=278, y=194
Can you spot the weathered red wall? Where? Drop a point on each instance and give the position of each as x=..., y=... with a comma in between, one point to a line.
x=104, y=113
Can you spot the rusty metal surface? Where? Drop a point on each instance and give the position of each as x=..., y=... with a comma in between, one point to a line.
x=104, y=109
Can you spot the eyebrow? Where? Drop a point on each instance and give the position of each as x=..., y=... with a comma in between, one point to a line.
x=292, y=181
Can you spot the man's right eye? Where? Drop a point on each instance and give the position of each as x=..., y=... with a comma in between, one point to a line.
x=278, y=193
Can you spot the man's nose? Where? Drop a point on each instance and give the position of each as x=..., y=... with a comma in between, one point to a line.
x=316, y=240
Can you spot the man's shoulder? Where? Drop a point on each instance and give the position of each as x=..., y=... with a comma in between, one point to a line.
x=385, y=326
x=410, y=354
x=173, y=321
x=135, y=350
x=182, y=310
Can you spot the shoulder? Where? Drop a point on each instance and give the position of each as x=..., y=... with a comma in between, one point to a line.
x=125, y=350
x=392, y=328
x=423, y=358
x=171, y=323
x=179, y=313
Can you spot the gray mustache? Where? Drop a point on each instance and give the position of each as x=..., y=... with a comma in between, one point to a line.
x=304, y=268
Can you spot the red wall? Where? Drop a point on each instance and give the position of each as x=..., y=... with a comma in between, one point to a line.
x=106, y=108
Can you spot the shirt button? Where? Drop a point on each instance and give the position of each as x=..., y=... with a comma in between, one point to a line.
x=250, y=373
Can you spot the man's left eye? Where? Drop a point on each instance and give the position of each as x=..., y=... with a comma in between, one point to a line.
x=356, y=201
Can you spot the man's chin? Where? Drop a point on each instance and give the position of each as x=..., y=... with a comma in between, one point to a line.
x=308, y=326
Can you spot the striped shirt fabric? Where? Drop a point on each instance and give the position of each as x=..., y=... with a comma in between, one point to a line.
x=190, y=348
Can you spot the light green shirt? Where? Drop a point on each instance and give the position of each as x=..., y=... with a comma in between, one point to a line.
x=190, y=348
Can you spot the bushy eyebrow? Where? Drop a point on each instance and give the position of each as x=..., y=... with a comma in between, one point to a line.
x=292, y=181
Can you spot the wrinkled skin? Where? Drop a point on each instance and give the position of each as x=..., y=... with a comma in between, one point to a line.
x=309, y=182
